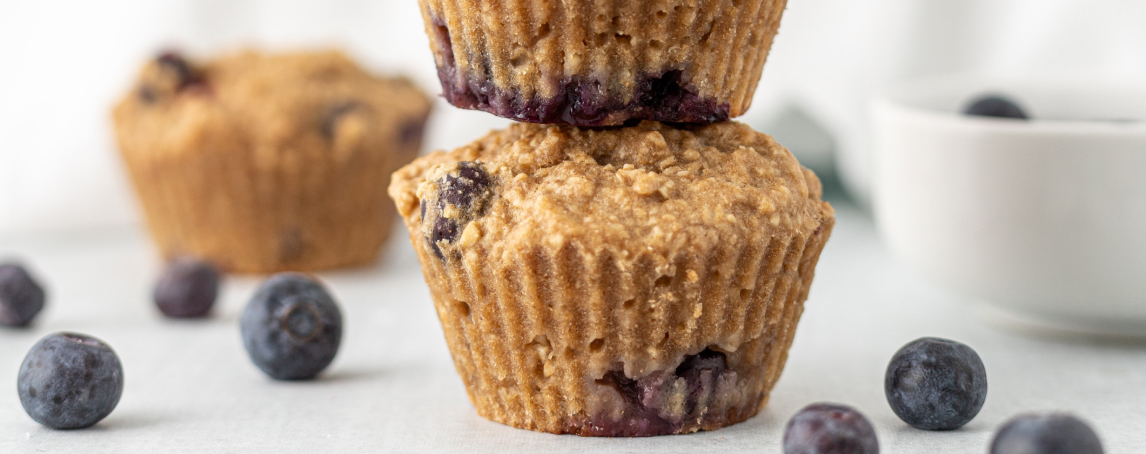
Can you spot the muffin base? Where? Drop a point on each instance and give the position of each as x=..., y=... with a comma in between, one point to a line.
x=665, y=96
x=564, y=380
x=607, y=63
x=225, y=215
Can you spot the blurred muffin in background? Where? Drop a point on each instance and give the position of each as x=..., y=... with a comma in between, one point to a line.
x=264, y=163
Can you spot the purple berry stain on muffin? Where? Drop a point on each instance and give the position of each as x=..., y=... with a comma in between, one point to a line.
x=458, y=197
x=412, y=132
x=649, y=401
x=175, y=75
x=666, y=96
x=180, y=68
x=334, y=115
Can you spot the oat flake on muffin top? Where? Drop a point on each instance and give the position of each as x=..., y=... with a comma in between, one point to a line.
x=632, y=281
x=626, y=188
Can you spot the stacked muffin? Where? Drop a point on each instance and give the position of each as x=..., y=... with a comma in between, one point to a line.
x=629, y=262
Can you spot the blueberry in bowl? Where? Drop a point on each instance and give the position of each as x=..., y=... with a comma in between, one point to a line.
x=1054, y=433
x=825, y=428
x=70, y=381
x=936, y=384
x=996, y=106
x=292, y=327
x=21, y=297
x=187, y=289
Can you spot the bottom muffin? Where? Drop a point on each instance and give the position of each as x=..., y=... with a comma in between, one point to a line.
x=621, y=282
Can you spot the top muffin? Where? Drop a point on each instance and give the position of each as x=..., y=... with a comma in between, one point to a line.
x=602, y=62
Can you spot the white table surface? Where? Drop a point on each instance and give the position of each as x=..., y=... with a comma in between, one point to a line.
x=190, y=387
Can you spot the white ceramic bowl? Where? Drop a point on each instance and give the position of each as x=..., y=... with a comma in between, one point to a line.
x=1046, y=218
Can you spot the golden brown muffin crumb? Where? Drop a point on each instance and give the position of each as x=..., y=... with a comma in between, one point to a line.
x=268, y=162
x=602, y=62
x=621, y=282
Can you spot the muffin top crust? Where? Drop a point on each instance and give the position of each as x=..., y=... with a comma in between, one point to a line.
x=318, y=103
x=651, y=187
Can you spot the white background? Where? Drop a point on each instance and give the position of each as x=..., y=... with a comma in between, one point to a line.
x=190, y=388
x=64, y=63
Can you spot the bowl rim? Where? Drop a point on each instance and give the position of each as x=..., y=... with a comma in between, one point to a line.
x=892, y=100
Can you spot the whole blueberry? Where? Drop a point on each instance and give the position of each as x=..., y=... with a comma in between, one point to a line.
x=187, y=288
x=936, y=384
x=1054, y=433
x=70, y=381
x=829, y=429
x=21, y=298
x=995, y=106
x=292, y=327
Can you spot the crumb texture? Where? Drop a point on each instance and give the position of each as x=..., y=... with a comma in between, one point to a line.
x=602, y=62
x=618, y=282
x=265, y=163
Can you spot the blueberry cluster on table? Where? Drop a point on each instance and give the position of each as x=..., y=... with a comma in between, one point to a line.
x=291, y=328
x=935, y=384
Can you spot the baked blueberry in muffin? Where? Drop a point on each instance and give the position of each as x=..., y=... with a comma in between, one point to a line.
x=594, y=63
x=633, y=281
x=268, y=162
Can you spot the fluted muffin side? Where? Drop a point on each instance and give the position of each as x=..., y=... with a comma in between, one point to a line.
x=561, y=322
x=602, y=62
x=264, y=163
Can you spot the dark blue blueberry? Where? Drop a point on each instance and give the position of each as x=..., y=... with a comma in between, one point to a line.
x=187, y=289
x=21, y=298
x=292, y=327
x=463, y=187
x=646, y=398
x=412, y=132
x=333, y=115
x=466, y=189
x=443, y=229
x=665, y=96
x=700, y=371
x=1046, y=434
x=936, y=384
x=995, y=106
x=829, y=429
x=182, y=71
x=70, y=381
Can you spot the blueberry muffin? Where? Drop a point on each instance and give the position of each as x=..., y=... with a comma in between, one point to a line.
x=616, y=282
x=263, y=163
x=602, y=62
